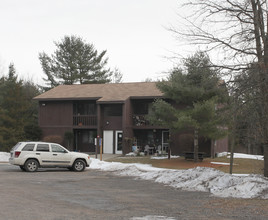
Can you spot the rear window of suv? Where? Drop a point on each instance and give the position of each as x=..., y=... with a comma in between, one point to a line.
x=42, y=147
x=28, y=147
x=16, y=146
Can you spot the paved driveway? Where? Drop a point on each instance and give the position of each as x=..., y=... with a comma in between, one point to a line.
x=61, y=194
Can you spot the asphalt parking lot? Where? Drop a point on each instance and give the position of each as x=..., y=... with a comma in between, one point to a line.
x=62, y=194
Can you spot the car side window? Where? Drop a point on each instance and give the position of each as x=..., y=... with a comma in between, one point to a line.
x=57, y=148
x=42, y=147
x=28, y=147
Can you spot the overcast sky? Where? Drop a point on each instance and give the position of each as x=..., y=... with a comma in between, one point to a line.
x=132, y=31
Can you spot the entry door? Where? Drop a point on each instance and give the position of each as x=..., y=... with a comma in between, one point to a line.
x=165, y=140
x=108, y=141
x=118, y=142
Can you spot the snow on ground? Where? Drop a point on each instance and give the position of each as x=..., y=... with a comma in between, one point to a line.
x=163, y=157
x=4, y=156
x=247, y=156
x=220, y=163
x=197, y=179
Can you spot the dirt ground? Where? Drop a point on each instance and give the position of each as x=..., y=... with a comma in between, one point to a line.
x=248, y=166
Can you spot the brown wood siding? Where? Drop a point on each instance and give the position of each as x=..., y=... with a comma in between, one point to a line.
x=112, y=123
x=221, y=145
x=128, y=133
x=55, y=114
x=184, y=141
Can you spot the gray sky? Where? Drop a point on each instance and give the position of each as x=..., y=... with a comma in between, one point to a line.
x=132, y=31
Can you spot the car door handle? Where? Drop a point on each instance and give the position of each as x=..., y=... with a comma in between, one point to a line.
x=37, y=153
x=55, y=154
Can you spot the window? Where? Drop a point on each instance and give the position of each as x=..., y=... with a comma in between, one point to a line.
x=141, y=107
x=16, y=146
x=57, y=148
x=28, y=147
x=113, y=110
x=84, y=108
x=42, y=147
x=88, y=136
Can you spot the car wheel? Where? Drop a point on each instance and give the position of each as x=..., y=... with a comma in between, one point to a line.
x=31, y=165
x=22, y=168
x=79, y=165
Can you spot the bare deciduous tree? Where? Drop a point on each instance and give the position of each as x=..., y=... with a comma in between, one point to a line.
x=237, y=30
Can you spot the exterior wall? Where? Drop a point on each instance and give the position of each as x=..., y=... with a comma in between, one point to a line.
x=106, y=122
x=184, y=141
x=56, y=114
x=221, y=146
x=127, y=127
x=112, y=123
x=55, y=118
x=84, y=140
x=50, y=133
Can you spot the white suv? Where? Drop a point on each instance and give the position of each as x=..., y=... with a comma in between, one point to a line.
x=29, y=156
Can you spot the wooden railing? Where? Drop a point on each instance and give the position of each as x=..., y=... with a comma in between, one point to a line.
x=85, y=120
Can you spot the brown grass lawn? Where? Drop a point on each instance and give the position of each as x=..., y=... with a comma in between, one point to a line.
x=248, y=166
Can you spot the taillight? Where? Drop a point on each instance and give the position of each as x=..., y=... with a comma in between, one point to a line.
x=17, y=153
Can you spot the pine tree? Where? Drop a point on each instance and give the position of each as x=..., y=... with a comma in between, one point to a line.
x=198, y=93
x=75, y=61
x=17, y=110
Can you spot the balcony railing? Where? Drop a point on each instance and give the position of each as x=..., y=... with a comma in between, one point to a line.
x=139, y=120
x=85, y=120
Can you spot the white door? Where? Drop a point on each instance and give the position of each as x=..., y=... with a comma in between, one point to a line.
x=165, y=141
x=108, y=142
x=118, y=142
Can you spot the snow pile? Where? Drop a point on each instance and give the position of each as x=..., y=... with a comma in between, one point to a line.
x=4, y=156
x=196, y=179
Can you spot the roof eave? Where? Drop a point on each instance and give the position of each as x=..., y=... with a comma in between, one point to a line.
x=67, y=99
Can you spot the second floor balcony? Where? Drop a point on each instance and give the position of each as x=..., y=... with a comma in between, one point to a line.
x=85, y=120
x=140, y=120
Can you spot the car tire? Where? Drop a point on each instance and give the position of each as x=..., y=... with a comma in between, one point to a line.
x=22, y=168
x=31, y=165
x=79, y=165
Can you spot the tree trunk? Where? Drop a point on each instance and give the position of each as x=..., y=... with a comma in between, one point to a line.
x=212, y=148
x=265, y=148
x=195, y=145
x=261, y=41
x=232, y=154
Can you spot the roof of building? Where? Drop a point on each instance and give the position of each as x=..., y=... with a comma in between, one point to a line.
x=112, y=92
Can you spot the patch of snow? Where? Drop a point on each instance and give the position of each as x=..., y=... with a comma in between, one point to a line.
x=163, y=157
x=4, y=156
x=131, y=154
x=222, y=154
x=240, y=174
x=220, y=163
x=196, y=179
x=247, y=156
